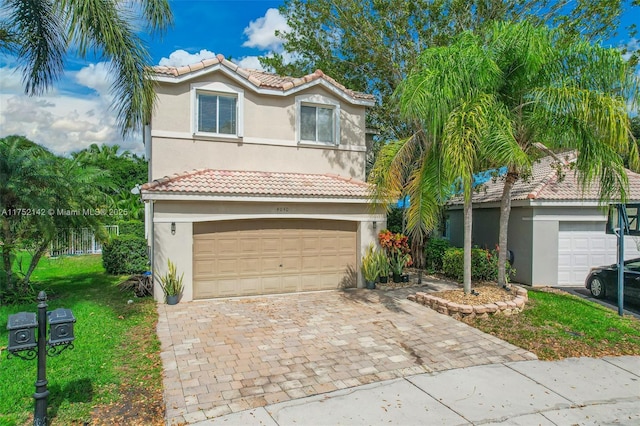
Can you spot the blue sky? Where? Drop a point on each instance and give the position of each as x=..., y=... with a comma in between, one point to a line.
x=76, y=112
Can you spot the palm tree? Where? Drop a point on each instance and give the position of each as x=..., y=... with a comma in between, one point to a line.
x=42, y=31
x=25, y=181
x=496, y=100
x=35, y=186
x=559, y=93
x=449, y=95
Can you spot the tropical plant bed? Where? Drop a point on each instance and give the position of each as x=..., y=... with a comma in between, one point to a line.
x=484, y=301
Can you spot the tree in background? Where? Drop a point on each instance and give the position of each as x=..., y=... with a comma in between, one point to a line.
x=371, y=45
x=39, y=194
x=41, y=32
x=126, y=170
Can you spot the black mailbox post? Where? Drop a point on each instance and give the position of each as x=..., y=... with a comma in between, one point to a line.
x=28, y=340
x=22, y=331
x=61, y=327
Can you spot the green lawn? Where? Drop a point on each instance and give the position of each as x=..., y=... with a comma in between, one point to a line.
x=557, y=325
x=114, y=367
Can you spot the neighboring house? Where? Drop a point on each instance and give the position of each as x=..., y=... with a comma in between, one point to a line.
x=556, y=232
x=257, y=181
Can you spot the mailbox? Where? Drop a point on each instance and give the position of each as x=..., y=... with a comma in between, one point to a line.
x=22, y=331
x=61, y=326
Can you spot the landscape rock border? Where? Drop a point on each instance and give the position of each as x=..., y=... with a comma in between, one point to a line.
x=459, y=311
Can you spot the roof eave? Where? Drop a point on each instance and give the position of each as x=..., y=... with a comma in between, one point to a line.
x=165, y=78
x=262, y=198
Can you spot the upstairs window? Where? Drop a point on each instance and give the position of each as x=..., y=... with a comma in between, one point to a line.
x=217, y=114
x=316, y=124
x=317, y=120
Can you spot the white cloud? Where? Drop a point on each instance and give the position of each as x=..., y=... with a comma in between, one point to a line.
x=98, y=77
x=181, y=57
x=261, y=33
x=10, y=80
x=250, y=62
x=64, y=122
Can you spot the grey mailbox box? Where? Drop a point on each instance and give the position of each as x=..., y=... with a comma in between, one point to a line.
x=61, y=326
x=22, y=331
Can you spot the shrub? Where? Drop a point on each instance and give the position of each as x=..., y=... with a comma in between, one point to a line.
x=434, y=251
x=125, y=254
x=131, y=227
x=484, y=264
x=452, y=263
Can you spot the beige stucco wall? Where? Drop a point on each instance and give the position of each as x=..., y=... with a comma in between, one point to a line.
x=268, y=142
x=179, y=155
x=178, y=247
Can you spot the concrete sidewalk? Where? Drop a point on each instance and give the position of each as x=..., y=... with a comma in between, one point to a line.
x=575, y=391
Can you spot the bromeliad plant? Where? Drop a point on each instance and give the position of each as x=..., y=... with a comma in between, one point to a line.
x=170, y=282
x=398, y=261
x=383, y=265
x=370, y=267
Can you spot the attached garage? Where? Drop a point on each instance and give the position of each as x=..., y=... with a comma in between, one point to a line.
x=235, y=233
x=250, y=257
x=584, y=245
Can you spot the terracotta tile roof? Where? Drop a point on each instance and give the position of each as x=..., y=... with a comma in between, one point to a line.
x=250, y=183
x=261, y=79
x=544, y=184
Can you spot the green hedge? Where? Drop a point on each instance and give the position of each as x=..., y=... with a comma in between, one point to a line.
x=484, y=264
x=125, y=254
x=434, y=252
x=131, y=227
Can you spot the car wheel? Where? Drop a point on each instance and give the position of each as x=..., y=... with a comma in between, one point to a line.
x=597, y=287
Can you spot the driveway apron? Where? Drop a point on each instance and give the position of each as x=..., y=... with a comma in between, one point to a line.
x=227, y=355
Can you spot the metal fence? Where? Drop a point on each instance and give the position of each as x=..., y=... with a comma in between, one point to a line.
x=79, y=241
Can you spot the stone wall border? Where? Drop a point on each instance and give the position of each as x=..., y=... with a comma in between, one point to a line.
x=458, y=311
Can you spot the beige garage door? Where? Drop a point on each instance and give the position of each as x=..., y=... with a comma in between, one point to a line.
x=248, y=257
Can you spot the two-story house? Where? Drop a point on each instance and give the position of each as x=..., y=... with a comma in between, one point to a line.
x=257, y=181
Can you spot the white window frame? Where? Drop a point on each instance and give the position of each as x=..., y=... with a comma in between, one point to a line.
x=318, y=101
x=217, y=89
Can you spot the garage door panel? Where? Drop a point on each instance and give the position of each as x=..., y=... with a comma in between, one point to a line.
x=250, y=265
x=290, y=245
x=290, y=264
x=247, y=286
x=270, y=285
x=248, y=246
x=270, y=265
x=269, y=244
x=203, y=246
x=271, y=256
x=203, y=268
x=227, y=266
x=291, y=284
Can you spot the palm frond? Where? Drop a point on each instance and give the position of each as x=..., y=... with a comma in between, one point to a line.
x=39, y=32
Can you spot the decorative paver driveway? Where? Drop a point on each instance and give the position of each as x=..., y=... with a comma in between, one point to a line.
x=227, y=355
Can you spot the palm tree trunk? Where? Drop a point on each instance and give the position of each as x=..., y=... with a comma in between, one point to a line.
x=467, y=244
x=35, y=260
x=6, y=253
x=505, y=212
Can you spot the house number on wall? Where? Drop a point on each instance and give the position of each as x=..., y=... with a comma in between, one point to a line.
x=282, y=209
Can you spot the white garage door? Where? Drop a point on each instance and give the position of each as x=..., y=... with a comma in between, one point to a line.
x=249, y=257
x=583, y=245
